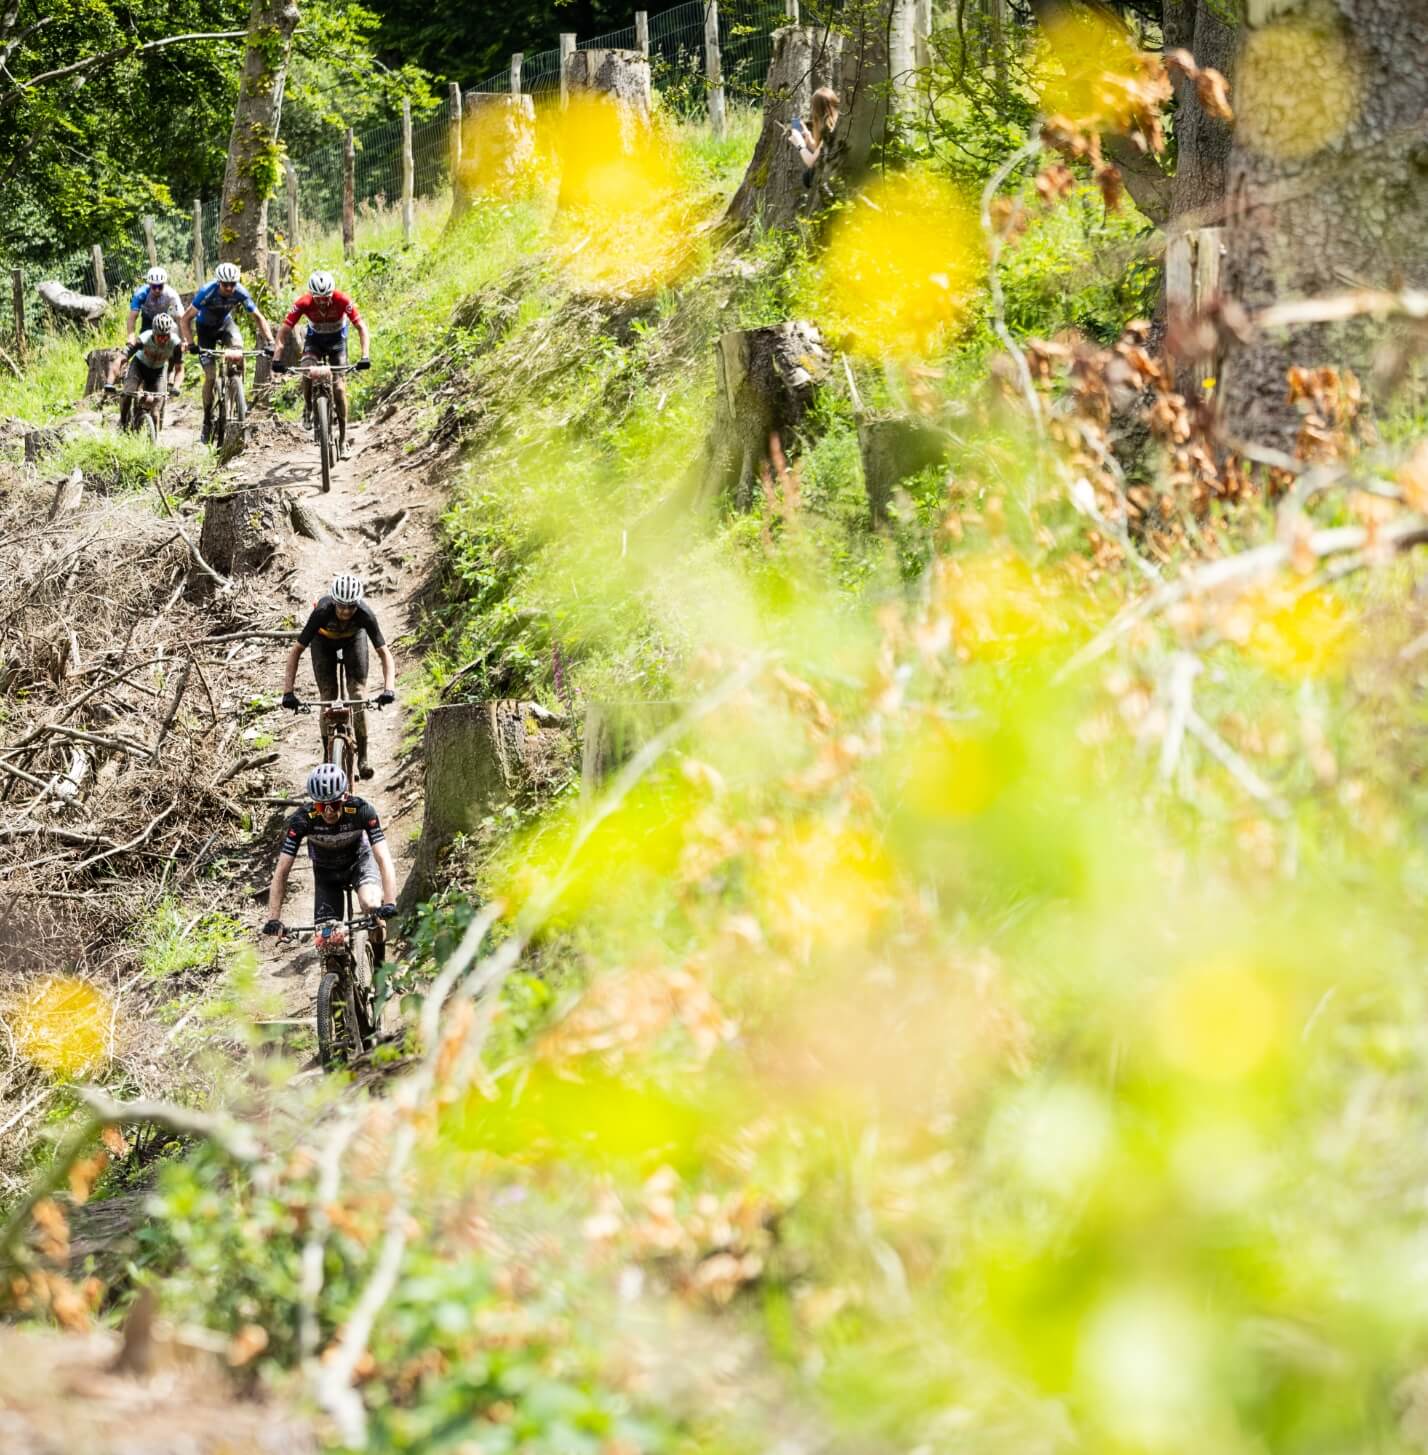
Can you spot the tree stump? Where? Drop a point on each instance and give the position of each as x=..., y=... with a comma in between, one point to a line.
x=623, y=76
x=100, y=361
x=72, y=307
x=497, y=148
x=263, y=365
x=68, y=494
x=243, y=533
x=765, y=378
x=772, y=190
x=893, y=450
x=614, y=733
x=479, y=756
x=41, y=441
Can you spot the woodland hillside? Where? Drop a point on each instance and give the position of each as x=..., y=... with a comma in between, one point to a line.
x=903, y=789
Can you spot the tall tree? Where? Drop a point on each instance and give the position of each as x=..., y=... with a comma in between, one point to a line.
x=1326, y=185
x=255, y=159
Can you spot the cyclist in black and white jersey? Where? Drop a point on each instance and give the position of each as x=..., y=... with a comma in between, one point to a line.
x=348, y=849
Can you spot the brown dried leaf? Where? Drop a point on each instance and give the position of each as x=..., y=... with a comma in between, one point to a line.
x=1180, y=62
x=84, y=1174
x=1214, y=93
x=1055, y=181
x=1109, y=180
x=247, y=1344
x=113, y=1139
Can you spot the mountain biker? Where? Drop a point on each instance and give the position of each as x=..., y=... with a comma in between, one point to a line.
x=348, y=849
x=342, y=619
x=155, y=295
x=324, y=341
x=212, y=307
x=147, y=357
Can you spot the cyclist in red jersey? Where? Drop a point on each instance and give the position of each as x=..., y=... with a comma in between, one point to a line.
x=328, y=313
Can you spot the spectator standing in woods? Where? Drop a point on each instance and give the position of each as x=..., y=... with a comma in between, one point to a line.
x=809, y=139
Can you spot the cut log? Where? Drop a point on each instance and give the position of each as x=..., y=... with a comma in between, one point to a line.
x=100, y=362
x=72, y=307
x=892, y=451
x=479, y=757
x=615, y=731
x=764, y=384
x=307, y=522
x=623, y=76
x=243, y=534
x=497, y=148
x=804, y=59
x=68, y=494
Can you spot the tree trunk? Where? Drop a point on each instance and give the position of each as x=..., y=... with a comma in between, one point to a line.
x=100, y=362
x=1202, y=141
x=614, y=732
x=765, y=378
x=864, y=91
x=621, y=75
x=497, y=148
x=479, y=756
x=1326, y=188
x=893, y=450
x=254, y=170
x=73, y=307
x=772, y=190
x=244, y=533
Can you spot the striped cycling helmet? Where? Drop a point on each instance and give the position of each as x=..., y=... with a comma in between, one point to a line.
x=326, y=783
x=347, y=590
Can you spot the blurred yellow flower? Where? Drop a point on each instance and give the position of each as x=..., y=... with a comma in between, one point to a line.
x=623, y=220
x=995, y=603
x=61, y=1024
x=901, y=266
x=1084, y=61
x=824, y=886
x=1218, y=1022
x=1294, y=633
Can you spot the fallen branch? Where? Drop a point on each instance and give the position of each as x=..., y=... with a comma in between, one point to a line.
x=141, y=838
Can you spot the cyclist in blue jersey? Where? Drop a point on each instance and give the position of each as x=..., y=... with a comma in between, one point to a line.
x=211, y=315
x=156, y=295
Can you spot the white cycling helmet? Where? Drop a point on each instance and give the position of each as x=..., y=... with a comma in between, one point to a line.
x=320, y=285
x=157, y=277
x=347, y=590
x=162, y=323
x=226, y=273
x=326, y=783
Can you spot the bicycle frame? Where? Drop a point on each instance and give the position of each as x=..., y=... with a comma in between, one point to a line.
x=346, y=1007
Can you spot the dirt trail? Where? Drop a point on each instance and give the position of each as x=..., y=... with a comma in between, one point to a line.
x=375, y=482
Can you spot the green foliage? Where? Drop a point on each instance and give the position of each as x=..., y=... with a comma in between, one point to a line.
x=114, y=459
x=174, y=943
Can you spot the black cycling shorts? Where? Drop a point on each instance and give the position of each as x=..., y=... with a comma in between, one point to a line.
x=329, y=886
x=212, y=336
x=327, y=348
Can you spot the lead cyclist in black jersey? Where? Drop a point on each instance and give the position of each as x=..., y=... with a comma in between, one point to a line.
x=348, y=848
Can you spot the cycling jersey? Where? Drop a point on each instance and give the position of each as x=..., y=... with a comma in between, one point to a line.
x=323, y=621
x=333, y=848
x=149, y=304
x=213, y=306
x=324, y=315
x=155, y=352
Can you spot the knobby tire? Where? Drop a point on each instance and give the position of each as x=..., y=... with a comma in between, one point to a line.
x=322, y=429
x=237, y=411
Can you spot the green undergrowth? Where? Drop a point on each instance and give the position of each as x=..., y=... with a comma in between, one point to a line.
x=54, y=373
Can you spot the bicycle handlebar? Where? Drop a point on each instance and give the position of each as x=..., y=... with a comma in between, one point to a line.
x=339, y=702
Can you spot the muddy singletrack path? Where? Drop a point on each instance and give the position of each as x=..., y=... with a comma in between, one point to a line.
x=371, y=488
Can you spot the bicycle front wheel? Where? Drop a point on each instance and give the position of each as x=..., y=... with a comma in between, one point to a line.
x=237, y=413
x=339, y=1033
x=322, y=430
x=151, y=430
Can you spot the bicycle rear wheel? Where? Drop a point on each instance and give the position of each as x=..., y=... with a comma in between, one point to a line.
x=322, y=430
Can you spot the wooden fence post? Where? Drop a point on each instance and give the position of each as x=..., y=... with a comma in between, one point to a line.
x=790, y=9
x=713, y=70
x=197, y=243
x=408, y=174
x=517, y=61
x=453, y=121
x=290, y=178
x=567, y=49
x=642, y=32
x=349, y=194
x=101, y=286
x=17, y=296
x=149, y=245
x=996, y=36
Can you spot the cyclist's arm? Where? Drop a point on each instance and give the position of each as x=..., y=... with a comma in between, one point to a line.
x=131, y=331
x=290, y=671
x=279, y=887
x=388, y=870
x=364, y=336
x=189, y=314
x=264, y=328
x=389, y=669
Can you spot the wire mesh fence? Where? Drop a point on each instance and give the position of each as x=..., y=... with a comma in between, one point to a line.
x=678, y=69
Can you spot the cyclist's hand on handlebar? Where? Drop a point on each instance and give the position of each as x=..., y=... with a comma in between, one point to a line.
x=290, y=701
x=274, y=927
x=364, y=363
x=279, y=367
x=387, y=911
x=386, y=697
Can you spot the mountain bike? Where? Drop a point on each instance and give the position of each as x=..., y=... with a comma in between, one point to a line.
x=146, y=411
x=346, y=1002
x=334, y=723
x=230, y=404
x=323, y=403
